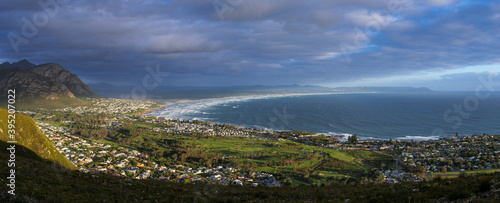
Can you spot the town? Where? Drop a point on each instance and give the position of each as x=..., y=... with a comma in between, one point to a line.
x=415, y=160
x=95, y=157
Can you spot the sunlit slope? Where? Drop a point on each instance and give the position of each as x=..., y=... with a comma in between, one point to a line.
x=29, y=136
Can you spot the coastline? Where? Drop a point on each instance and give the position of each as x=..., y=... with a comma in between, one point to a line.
x=182, y=108
x=170, y=102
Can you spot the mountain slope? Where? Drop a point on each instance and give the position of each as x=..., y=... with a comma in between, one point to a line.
x=60, y=75
x=22, y=64
x=29, y=84
x=29, y=136
x=42, y=86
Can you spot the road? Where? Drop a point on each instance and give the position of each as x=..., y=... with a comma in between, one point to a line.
x=398, y=168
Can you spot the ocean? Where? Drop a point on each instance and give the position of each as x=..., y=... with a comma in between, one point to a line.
x=403, y=116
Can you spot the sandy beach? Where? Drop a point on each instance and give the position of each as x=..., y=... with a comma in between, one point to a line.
x=257, y=96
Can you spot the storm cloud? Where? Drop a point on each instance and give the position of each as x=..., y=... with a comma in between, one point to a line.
x=243, y=42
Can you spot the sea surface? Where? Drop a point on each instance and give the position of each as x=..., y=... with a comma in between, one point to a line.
x=404, y=116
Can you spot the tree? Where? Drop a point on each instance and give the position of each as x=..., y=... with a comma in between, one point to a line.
x=288, y=182
x=469, y=165
x=420, y=171
x=353, y=139
x=444, y=169
x=379, y=178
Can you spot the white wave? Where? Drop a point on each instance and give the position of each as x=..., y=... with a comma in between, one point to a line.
x=342, y=137
x=418, y=138
x=188, y=110
x=336, y=134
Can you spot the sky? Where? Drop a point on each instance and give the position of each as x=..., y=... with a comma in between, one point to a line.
x=440, y=44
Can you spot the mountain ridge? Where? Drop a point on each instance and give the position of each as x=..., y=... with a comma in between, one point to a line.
x=58, y=74
x=48, y=81
x=22, y=64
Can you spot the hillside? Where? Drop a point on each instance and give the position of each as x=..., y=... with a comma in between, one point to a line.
x=31, y=85
x=38, y=180
x=59, y=75
x=41, y=82
x=28, y=135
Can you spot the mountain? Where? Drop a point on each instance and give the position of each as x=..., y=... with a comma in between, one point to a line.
x=22, y=64
x=32, y=85
x=28, y=135
x=60, y=75
x=47, y=81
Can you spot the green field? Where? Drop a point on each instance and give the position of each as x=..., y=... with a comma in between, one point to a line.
x=113, y=144
x=455, y=174
x=303, y=163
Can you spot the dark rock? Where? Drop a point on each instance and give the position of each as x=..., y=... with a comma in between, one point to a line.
x=58, y=74
x=31, y=85
x=46, y=81
x=22, y=64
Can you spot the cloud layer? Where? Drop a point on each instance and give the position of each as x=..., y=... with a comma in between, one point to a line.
x=243, y=42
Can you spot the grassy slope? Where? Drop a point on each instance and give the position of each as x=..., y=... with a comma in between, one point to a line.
x=28, y=135
x=62, y=102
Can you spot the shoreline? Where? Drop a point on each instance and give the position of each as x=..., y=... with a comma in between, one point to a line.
x=170, y=102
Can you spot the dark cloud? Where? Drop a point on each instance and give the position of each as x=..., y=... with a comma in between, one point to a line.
x=256, y=42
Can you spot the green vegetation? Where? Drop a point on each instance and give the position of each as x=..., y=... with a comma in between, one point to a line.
x=52, y=183
x=307, y=164
x=302, y=162
x=318, y=173
x=61, y=102
x=28, y=135
x=457, y=174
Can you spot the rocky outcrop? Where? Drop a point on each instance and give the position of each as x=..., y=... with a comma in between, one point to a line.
x=47, y=81
x=60, y=75
x=31, y=85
